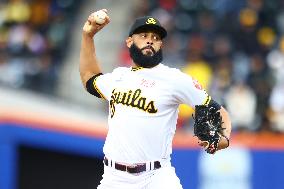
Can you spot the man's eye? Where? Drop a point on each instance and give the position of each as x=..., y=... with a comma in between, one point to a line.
x=143, y=35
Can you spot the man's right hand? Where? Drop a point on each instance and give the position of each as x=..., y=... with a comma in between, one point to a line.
x=90, y=27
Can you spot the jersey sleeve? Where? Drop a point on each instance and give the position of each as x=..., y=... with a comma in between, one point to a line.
x=187, y=90
x=101, y=85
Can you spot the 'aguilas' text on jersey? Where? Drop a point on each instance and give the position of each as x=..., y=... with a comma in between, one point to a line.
x=132, y=99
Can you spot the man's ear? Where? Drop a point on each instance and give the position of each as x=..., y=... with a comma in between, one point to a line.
x=129, y=42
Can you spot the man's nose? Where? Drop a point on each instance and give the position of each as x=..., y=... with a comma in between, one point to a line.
x=149, y=42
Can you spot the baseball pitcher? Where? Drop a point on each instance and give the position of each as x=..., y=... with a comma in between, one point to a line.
x=143, y=108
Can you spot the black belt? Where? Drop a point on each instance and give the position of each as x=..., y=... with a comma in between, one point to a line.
x=132, y=168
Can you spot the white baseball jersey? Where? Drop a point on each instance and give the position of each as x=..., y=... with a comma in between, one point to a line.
x=143, y=110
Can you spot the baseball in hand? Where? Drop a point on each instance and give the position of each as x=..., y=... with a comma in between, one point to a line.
x=100, y=17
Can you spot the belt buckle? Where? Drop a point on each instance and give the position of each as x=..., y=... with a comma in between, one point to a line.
x=130, y=169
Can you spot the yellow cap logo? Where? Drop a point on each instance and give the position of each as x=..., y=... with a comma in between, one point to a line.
x=151, y=21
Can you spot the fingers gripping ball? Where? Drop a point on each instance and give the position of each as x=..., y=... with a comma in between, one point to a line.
x=100, y=17
x=208, y=126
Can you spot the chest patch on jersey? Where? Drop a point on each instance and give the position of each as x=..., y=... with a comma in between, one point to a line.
x=132, y=99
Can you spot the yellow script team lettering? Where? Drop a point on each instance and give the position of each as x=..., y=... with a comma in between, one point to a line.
x=132, y=99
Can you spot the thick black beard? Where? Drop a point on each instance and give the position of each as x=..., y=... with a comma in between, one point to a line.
x=145, y=61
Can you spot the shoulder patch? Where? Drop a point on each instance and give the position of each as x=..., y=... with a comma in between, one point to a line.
x=196, y=84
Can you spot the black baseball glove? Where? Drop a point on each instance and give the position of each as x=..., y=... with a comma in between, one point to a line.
x=208, y=126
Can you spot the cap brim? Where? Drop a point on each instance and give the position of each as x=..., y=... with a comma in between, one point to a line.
x=159, y=29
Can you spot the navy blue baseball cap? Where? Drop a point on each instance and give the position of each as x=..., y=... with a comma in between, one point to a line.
x=147, y=23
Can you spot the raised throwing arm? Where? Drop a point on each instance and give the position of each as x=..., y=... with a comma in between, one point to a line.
x=89, y=65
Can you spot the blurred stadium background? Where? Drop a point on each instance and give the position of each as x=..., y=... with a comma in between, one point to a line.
x=52, y=131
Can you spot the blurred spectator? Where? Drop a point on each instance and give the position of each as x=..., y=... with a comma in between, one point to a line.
x=277, y=108
x=260, y=80
x=266, y=39
x=222, y=78
x=276, y=62
x=12, y=71
x=18, y=36
x=40, y=12
x=196, y=65
x=240, y=102
x=245, y=35
x=207, y=24
x=17, y=11
x=241, y=67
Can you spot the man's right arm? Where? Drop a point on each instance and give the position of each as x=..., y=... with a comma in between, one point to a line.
x=89, y=65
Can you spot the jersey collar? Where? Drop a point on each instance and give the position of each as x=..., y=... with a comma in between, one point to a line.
x=140, y=68
x=136, y=68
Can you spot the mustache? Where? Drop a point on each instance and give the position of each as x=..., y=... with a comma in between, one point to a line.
x=149, y=47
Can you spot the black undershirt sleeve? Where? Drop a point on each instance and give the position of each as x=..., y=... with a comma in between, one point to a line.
x=90, y=86
x=214, y=104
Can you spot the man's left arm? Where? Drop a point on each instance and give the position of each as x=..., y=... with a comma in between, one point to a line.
x=189, y=91
x=224, y=141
